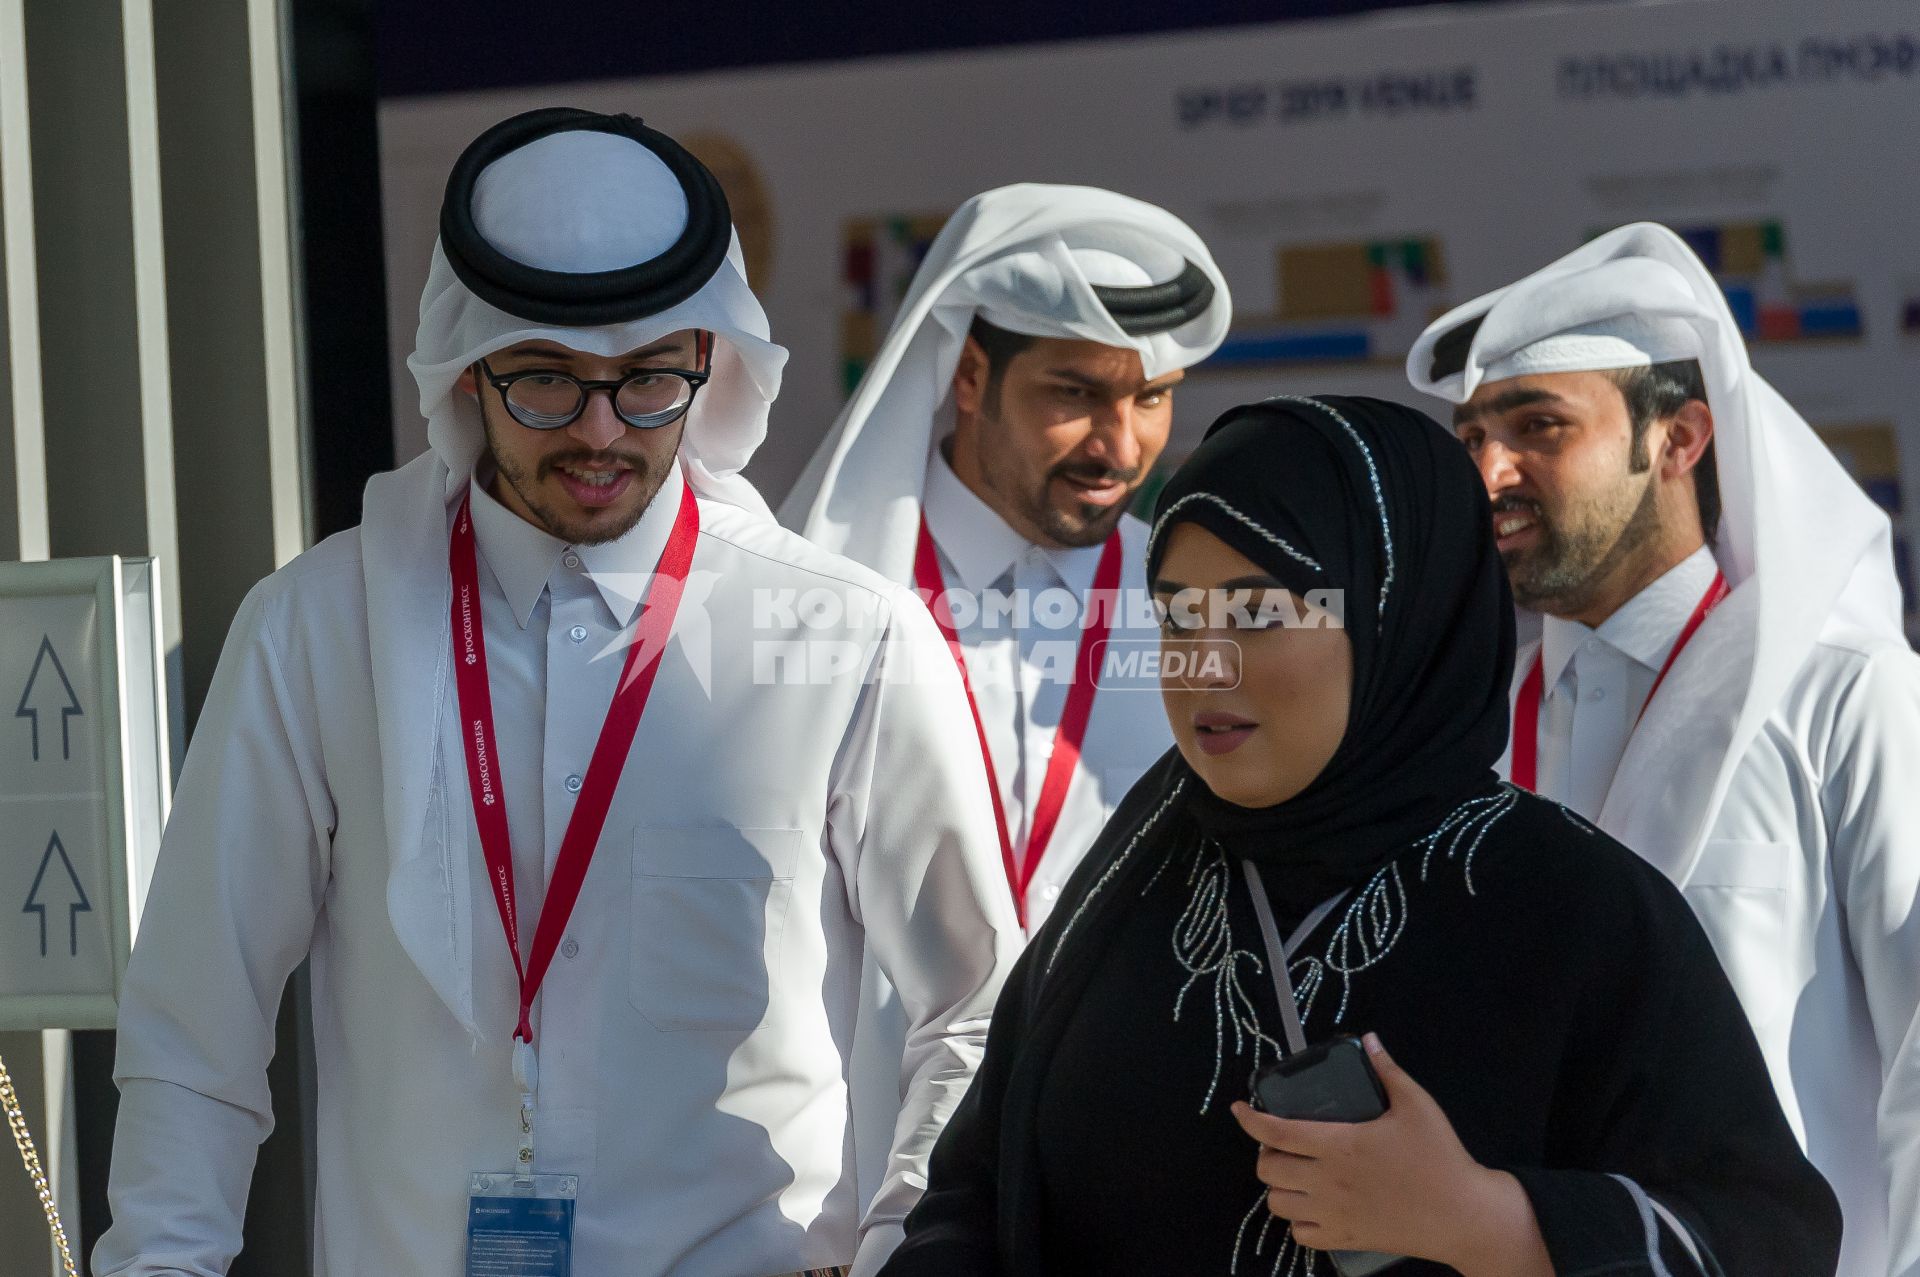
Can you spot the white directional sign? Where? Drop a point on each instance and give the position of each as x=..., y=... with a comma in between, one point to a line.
x=83, y=782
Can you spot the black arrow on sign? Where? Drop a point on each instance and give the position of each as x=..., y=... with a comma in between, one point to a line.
x=77, y=897
x=41, y=658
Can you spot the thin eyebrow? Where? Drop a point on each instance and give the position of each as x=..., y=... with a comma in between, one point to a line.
x=1505, y=401
x=1260, y=582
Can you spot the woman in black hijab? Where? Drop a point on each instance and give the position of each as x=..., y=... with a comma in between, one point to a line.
x=1572, y=1085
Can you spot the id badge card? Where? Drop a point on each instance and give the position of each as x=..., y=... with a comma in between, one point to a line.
x=520, y=1225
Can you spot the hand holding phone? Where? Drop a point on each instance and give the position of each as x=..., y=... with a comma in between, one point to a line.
x=1331, y=1082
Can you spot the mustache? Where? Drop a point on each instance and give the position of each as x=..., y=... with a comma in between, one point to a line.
x=1088, y=472
x=637, y=462
x=1518, y=505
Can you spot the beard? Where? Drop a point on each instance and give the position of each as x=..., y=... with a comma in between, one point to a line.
x=1580, y=545
x=574, y=526
x=1082, y=523
x=1074, y=524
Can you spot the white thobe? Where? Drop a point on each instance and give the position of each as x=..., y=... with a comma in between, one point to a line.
x=1595, y=681
x=1021, y=657
x=788, y=803
x=1808, y=885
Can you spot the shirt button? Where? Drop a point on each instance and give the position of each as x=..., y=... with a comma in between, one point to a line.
x=578, y=633
x=573, y=784
x=1050, y=892
x=571, y=559
x=1597, y=694
x=570, y=949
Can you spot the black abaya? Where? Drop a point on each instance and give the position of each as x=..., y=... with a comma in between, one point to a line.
x=1551, y=991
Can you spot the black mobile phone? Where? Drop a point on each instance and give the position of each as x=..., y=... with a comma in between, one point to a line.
x=1331, y=1082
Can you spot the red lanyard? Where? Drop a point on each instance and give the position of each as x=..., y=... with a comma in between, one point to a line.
x=1526, y=707
x=609, y=752
x=1073, y=717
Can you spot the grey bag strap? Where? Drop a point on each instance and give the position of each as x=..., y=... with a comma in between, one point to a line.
x=1278, y=953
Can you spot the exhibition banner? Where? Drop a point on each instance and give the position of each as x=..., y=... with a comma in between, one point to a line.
x=1353, y=178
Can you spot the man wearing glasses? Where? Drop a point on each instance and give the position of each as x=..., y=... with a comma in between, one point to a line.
x=583, y=817
x=569, y=470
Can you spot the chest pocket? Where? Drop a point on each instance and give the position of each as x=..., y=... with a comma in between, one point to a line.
x=709, y=912
x=1739, y=892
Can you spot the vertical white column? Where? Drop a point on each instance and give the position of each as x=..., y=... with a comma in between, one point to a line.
x=22, y=292
x=150, y=303
x=267, y=61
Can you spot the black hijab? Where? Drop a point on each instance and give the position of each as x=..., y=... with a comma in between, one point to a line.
x=1359, y=495
x=1376, y=500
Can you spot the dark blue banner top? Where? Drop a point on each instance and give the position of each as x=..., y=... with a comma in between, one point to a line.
x=426, y=47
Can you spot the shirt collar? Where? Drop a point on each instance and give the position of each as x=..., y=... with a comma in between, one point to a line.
x=979, y=543
x=523, y=558
x=1644, y=629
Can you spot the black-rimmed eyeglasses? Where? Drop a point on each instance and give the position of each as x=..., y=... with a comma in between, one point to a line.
x=646, y=399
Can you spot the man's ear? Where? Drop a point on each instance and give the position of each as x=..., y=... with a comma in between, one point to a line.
x=466, y=383
x=970, y=379
x=1689, y=431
